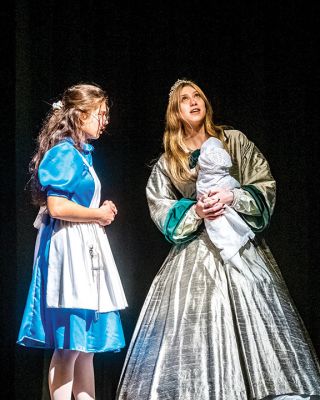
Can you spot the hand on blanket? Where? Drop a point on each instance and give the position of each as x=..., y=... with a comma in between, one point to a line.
x=224, y=196
x=212, y=204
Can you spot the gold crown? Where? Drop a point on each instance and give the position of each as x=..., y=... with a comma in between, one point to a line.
x=177, y=84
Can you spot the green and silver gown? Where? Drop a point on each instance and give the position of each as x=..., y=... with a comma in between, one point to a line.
x=211, y=330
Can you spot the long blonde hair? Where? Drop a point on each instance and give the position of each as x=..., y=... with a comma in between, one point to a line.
x=176, y=156
x=64, y=120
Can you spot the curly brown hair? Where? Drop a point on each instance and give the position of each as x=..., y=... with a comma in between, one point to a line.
x=62, y=122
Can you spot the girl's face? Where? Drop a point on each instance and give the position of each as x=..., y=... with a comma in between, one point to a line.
x=95, y=123
x=192, y=106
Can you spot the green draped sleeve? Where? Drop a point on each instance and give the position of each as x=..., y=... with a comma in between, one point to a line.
x=170, y=211
x=174, y=217
x=258, y=223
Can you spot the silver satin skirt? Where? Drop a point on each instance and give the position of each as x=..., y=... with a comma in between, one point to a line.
x=215, y=331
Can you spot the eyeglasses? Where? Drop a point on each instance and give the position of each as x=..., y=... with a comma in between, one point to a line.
x=101, y=116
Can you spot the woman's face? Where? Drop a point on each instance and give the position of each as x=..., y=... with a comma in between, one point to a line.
x=192, y=107
x=95, y=123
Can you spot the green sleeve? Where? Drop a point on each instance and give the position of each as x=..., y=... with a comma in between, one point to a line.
x=258, y=223
x=174, y=217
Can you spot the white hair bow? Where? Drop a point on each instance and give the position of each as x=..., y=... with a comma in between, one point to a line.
x=57, y=105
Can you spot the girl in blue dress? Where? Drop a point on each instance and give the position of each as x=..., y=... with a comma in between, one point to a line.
x=75, y=291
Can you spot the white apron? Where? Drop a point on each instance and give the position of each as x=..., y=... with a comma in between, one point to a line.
x=81, y=269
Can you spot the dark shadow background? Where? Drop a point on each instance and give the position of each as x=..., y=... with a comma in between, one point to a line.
x=257, y=62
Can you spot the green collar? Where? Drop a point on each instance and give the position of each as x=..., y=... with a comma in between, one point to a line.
x=193, y=158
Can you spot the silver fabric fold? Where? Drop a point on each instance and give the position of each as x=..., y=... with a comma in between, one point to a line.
x=210, y=330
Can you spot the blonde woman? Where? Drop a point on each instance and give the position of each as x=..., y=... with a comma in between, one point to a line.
x=209, y=329
x=75, y=291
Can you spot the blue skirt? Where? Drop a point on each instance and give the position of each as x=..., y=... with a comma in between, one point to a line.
x=75, y=329
x=64, y=328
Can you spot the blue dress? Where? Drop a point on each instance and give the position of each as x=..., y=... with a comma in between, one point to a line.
x=64, y=172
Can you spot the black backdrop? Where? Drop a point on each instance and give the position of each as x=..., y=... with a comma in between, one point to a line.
x=256, y=61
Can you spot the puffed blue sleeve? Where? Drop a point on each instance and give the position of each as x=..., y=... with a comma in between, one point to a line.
x=60, y=170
